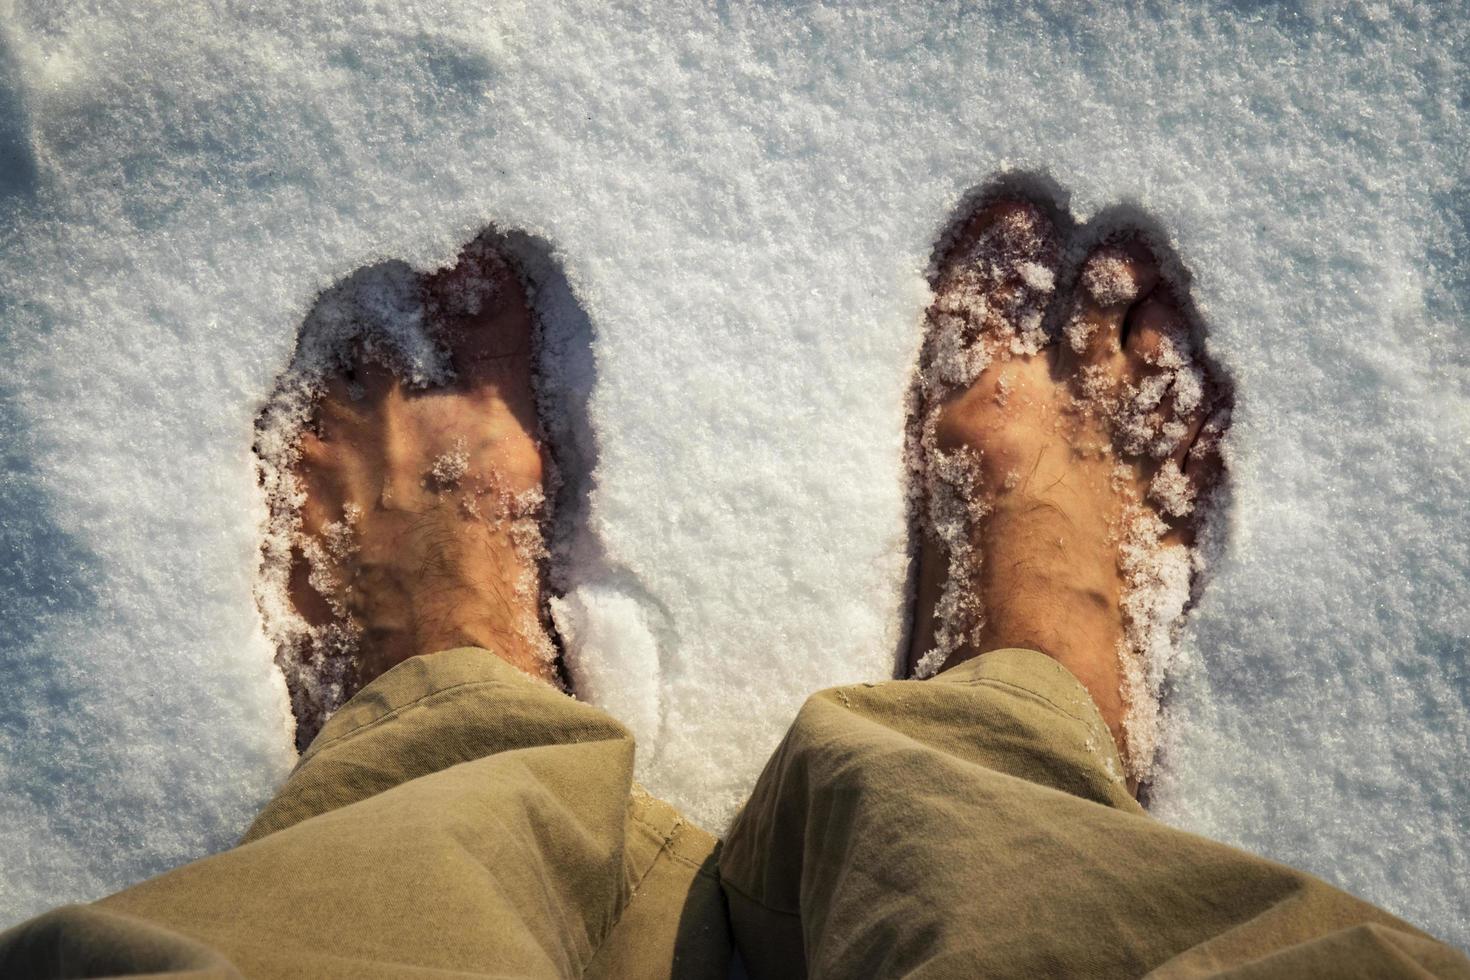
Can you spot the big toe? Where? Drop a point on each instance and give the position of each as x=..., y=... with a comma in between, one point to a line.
x=479, y=310
x=998, y=276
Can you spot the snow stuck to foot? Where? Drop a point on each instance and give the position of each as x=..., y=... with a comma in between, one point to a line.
x=391, y=320
x=379, y=310
x=992, y=290
x=994, y=284
x=744, y=202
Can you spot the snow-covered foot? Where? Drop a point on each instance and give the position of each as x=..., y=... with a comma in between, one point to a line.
x=420, y=507
x=1061, y=460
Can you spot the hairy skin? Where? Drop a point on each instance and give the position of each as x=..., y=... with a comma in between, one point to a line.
x=1053, y=471
x=430, y=496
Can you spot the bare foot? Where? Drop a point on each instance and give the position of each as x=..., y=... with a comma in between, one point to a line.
x=1060, y=475
x=420, y=507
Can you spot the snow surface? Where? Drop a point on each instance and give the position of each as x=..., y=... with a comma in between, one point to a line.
x=742, y=201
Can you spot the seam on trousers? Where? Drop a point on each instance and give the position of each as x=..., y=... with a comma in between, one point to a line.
x=632, y=891
x=316, y=748
x=667, y=847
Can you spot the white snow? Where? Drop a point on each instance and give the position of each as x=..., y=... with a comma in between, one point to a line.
x=743, y=202
x=450, y=467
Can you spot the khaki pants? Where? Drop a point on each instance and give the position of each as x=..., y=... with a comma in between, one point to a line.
x=457, y=819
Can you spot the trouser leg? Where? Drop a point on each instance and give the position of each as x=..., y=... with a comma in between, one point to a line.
x=978, y=824
x=456, y=819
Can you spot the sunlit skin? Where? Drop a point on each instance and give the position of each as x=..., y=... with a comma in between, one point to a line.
x=1050, y=577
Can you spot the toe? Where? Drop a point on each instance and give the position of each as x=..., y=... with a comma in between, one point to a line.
x=1184, y=483
x=479, y=309
x=1203, y=462
x=1004, y=225
x=1190, y=424
x=994, y=281
x=313, y=450
x=999, y=273
x=340, y=388
x=374, y=380
x=352, y=393
x=1182, y=488
x=339, y=412
x=1163, y=366
x=1157, y=338
x=1109, y=285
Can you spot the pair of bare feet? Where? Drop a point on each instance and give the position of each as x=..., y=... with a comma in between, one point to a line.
x=1060, y=443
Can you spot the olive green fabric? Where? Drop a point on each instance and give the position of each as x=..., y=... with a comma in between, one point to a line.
x=457, y=819
x=978, y=825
